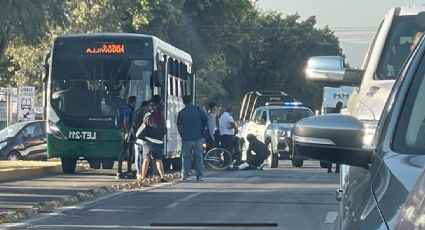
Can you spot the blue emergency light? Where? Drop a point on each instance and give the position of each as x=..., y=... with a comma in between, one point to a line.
x=293, y=103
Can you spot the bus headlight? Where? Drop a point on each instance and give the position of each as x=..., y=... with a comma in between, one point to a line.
x=54, y=130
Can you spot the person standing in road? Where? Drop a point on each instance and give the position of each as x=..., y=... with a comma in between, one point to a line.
x=152, y=133
x=212, y=125
x=192, y=121
x=228, y=129
x=123, y=121
x=139, y=116
x=337, y=109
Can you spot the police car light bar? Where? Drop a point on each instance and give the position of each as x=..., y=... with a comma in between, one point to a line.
x=287, y=103
x=293, y=103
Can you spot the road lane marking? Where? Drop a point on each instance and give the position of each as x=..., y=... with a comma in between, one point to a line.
x=190, y=197
x=331, y=217
x=185, y=199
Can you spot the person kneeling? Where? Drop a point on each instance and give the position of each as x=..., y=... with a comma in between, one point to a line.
x=257, y=160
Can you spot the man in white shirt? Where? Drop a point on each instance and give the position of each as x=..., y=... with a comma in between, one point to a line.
x=228, y=129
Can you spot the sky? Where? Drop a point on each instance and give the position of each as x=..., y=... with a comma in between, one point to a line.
x=354, y=21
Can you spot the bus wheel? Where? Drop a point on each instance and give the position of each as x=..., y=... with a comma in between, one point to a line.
x=69, y=165
x=94, y=163
x=176, y=163
x=107, y=163
x=167, y=164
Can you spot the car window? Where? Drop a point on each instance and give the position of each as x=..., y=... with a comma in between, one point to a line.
x=257, y=115
x=33, y=130
x=410, y=135
x=288, y=115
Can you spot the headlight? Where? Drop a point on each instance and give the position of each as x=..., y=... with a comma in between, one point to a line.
x=55, y=131
x=3, y=144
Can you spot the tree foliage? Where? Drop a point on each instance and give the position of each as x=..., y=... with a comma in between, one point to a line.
x=236, y=48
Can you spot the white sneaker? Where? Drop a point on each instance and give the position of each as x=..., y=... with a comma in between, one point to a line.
x=139, y=176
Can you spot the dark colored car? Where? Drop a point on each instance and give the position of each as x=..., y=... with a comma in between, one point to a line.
x=24, y=141
x=382, y=176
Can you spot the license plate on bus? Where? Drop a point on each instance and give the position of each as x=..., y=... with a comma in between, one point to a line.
x=82, y=135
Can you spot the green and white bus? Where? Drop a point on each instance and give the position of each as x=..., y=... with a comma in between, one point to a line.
x=90, y=75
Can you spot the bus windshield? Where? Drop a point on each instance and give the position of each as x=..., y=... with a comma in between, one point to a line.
x=96, y=87
x=402, y=38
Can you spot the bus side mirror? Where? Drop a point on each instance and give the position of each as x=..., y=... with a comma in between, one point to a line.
x=46, y=67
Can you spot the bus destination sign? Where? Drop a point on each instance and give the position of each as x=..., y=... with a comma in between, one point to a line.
x=107, y=49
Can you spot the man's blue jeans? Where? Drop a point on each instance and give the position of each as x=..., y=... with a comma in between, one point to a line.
x=195, y=148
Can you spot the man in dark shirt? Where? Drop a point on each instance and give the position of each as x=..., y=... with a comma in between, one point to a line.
x=125, y=126
x=191, y=123
x=261, y=154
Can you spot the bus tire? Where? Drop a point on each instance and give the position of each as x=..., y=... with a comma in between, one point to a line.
x=167, y=164
x=69, y=165
x=107, y=163
x=176, y=163
x=94, y=163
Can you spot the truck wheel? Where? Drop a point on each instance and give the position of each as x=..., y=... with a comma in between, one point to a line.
x=69, y=165
x=324, y=164
x=167, y=164
x=297, y=163
x=273, y=160
x=176, y=163
x=107, y=163
x=94, y=163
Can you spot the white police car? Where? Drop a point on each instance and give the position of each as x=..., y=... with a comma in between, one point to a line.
x=273, y=125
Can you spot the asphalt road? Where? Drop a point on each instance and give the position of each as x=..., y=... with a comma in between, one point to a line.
x=282, y=198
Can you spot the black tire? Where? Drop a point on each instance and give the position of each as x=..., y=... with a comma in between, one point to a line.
x=94, y=163
x=167, y=164
x=107, y=163
x=14, y=156
x=273, y=160
x=297, y=163
x=324, y=164
x=218, y=159
x=69, y=165
x=176, y=163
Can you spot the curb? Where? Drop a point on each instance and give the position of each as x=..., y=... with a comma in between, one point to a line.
x=16, y=173
x=79, y=197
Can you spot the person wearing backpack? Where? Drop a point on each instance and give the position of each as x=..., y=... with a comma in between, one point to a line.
x=139, y=117
x=152, y=132
x=123, y=122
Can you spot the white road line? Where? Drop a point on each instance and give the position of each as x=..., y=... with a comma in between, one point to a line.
x=190, y=197
x=331, y=217
x=174, y=204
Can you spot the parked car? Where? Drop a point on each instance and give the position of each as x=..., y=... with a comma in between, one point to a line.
x=24, y=141
x=385, y=172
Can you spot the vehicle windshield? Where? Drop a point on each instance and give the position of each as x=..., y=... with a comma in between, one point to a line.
x=402, y=38
x=10, y=131
x=411, y=128
x=97, y=87
x=288, y=115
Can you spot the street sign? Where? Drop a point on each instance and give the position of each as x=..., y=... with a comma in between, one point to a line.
x=26, y=103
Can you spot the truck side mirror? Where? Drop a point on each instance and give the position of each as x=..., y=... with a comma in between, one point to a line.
x=330, y=70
